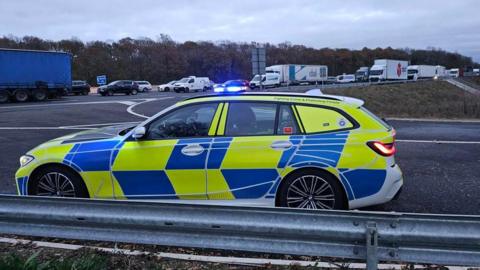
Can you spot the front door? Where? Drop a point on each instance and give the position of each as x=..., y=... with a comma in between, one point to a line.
x=169, y=163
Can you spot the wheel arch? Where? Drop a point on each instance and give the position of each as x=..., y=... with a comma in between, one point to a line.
x=35, y=172
x=322, y=170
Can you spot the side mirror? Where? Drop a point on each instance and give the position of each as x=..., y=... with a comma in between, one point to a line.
x=139, y=132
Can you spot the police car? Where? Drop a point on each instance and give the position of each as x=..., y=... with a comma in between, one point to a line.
x=278, y=149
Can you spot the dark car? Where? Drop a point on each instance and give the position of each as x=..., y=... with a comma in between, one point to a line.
x=123, y=86
x=232, y=86
x=80, y=87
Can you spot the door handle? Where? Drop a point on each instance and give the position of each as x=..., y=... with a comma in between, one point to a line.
x=192, y=150
x=281, y=145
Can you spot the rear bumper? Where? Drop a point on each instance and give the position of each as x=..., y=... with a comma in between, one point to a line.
x=390, y=189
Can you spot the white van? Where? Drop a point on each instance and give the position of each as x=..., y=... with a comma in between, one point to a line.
x=192, y=83
x=268, y=80
x=345, y=78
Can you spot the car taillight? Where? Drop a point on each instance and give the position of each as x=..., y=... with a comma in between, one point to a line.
x=384, y=149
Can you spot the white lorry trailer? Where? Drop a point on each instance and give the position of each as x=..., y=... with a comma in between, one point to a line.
x=440, y=71
x=388, y=69
x=421, y=72
x=295, y=74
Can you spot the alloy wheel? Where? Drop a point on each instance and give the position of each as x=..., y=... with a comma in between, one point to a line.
x=310, y=192
x=55, y=184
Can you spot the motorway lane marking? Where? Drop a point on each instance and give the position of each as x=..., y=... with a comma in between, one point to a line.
x=130, y=108
x=434, y=120
x=124, y=102
x=88, y=126
x=439, y=141
x=100, y=124
x=42, y=128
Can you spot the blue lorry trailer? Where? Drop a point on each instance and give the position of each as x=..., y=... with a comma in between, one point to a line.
x=36, y=75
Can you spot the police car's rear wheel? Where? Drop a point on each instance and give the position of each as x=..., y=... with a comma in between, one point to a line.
x=311, y=189
x=57, y=182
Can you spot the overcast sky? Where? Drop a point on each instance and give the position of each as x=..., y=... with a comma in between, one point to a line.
x=450, y=25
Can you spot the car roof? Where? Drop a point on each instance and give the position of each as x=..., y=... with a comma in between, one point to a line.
x=278, y=96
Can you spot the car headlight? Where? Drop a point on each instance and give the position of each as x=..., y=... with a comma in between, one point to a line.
x=24, y=160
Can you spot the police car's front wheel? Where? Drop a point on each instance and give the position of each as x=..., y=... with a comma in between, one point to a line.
x=311, y=189
x=57, y=181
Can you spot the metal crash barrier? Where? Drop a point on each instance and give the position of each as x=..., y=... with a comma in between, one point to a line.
x=369, y=236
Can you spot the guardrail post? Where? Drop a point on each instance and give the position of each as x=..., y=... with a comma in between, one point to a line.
x=372, y=243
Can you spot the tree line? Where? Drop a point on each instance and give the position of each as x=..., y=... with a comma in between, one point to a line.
x=163, y=59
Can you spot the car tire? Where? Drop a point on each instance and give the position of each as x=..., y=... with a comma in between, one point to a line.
x=21, y=95
x=39, y=95
x=311, y=189
x=145, y=90
x=4, y=96
x=110, y=92
x=134, y=92
x=85, y=92
x=186, y=90
x=166, y=89
x=205, y=89
x=44, y=183
x=103, y=94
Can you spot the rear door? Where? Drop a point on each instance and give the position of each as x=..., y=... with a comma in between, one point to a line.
x=245, y=157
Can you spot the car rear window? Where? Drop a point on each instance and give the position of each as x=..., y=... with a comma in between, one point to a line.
x=319, y=119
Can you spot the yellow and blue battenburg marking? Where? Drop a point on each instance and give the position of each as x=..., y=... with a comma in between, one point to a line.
x=159, y=169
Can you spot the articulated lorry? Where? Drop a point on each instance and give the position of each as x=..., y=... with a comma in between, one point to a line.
x=388, y=69
x=291, y=74
x=421, y=72
x=26, y=74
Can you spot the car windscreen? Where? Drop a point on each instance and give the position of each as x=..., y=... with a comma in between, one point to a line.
x=114, y=82
x=376, y=72
x=184, y=80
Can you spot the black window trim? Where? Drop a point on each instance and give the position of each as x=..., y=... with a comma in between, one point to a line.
x=292, y=104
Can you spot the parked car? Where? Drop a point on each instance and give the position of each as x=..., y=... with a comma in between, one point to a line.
x=144, y=86
x=232, y=86
x=166, y=87
x=345, y=78
x=123, y=86
x=272, y=149
x=80, y=87
x=192, y=83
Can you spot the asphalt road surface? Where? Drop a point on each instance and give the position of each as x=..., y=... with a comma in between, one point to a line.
x=440, y=160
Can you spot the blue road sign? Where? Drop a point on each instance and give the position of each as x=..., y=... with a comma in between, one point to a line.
x=102, y=79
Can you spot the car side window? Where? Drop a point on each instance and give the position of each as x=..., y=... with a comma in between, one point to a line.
x=287, y=124
x=250, y=119
x=319, y=119
x=189, y=121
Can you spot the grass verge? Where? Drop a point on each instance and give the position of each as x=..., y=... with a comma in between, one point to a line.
x=428, y=99
x=31, y=257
